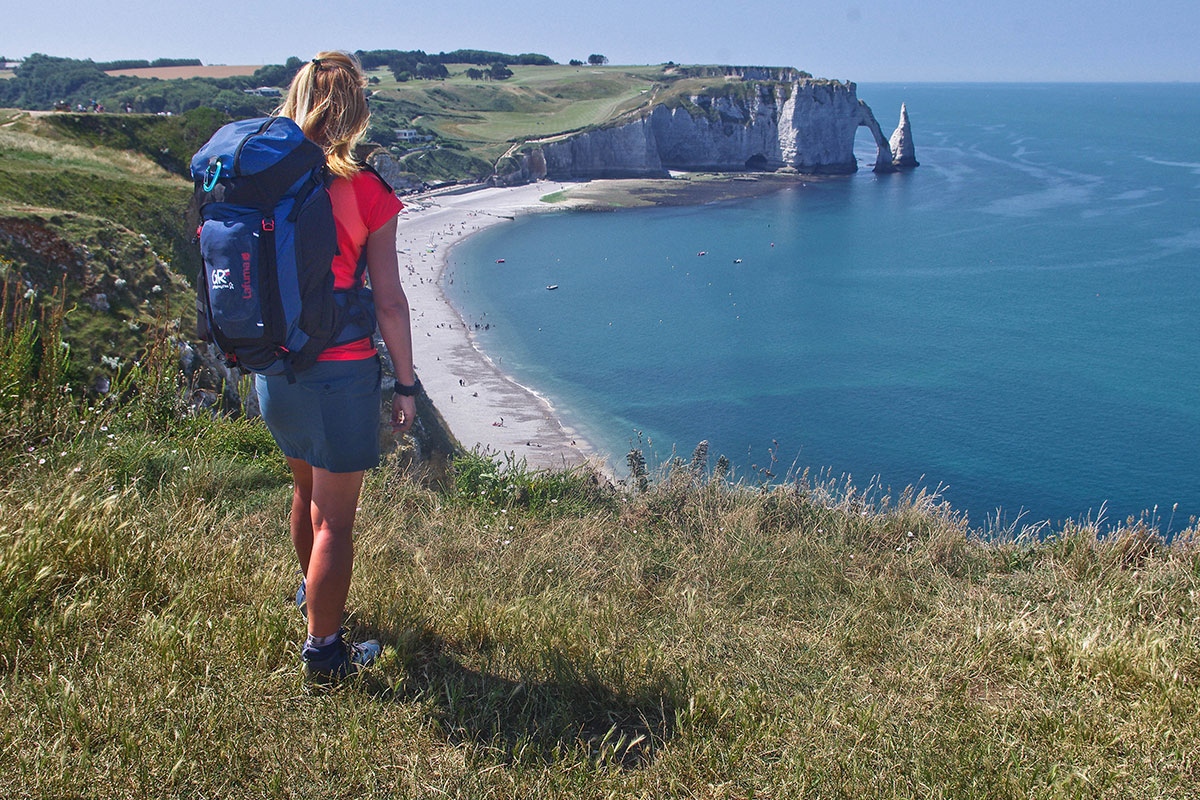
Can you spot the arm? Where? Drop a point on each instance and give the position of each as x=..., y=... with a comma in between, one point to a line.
x=391, y=312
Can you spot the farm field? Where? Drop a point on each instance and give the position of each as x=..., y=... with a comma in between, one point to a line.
x=169, y=73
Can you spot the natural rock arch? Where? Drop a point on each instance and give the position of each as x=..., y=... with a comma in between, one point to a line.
x=883, y=151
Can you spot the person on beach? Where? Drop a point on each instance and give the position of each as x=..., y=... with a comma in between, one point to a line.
x=327, y=421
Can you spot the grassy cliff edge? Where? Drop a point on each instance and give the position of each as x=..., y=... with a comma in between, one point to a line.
x=546, y=634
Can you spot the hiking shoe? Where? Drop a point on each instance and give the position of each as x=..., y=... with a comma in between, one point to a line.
x=339, y=658
x=302, y=597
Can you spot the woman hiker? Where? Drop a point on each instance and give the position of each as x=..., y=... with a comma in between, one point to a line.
x=327, y=421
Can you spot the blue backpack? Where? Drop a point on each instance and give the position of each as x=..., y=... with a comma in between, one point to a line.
x=265, y=292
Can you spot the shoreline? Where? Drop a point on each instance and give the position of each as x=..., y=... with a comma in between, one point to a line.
x=481, y=404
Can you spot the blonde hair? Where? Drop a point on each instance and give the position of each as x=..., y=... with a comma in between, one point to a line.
x=327, y=100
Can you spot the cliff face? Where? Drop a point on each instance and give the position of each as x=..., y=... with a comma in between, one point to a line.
x=901, y=143
x=805, y=125
x=626, y=151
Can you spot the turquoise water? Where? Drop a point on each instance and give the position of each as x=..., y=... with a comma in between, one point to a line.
x=1015, y=320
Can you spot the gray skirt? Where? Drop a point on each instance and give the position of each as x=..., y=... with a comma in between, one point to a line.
x=329, y=417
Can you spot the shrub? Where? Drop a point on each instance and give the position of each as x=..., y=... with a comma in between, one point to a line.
x=34, y=399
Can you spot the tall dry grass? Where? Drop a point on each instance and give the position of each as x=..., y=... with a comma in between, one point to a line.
x=548, y=636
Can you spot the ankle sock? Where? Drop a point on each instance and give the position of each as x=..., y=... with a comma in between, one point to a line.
x=322, y=641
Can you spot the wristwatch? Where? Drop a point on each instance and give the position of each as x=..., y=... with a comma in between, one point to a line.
x=407, y=391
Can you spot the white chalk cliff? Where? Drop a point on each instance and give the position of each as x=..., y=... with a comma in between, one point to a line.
x=803, y=125
x=903, y=155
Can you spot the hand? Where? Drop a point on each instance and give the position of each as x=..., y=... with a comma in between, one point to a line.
x=404, y=413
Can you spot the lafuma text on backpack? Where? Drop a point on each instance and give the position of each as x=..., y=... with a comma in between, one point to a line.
x=265, y=294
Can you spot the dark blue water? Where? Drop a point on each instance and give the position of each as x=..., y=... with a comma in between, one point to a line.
x=1015, y=320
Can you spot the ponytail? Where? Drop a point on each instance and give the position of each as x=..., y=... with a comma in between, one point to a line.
x=327, y=100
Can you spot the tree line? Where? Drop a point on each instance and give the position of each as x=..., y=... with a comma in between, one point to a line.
x=141, y=63
x=43, y=81
x=408, y=65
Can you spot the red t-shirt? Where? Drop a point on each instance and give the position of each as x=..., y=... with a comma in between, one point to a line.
x=361, y=206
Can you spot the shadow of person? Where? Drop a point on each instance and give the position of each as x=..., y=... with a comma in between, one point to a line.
x=572, y=711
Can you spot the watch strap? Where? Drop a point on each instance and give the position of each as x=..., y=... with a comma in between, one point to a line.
x=407, y=391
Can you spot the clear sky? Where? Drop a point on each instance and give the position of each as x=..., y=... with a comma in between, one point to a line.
x=863, y=40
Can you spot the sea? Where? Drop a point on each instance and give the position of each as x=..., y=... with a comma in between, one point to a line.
x=1012, y=325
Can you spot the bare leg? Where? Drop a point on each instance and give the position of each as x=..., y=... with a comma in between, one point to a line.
x=300, y=520
x=332, y=507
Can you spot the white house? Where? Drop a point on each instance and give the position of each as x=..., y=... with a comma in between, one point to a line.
x=411, y=135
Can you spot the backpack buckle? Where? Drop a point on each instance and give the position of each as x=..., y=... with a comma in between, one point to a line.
x=268, y=225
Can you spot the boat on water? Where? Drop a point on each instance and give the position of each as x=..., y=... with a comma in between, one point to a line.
x=499, y=260
x=552, y=286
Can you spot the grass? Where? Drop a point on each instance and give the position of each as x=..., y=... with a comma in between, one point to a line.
x=89, y=207
x=547, y=635
x=446, y=164
x=486, y=116
x=167, y=141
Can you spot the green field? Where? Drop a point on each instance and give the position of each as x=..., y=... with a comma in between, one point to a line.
x=486, y=117
x=87, y=205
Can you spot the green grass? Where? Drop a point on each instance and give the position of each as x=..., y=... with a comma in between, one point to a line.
x=167, y=141
x=571, y=115
x=486, y=116
x=549, y=636
x=84, y=207
x=446, y=164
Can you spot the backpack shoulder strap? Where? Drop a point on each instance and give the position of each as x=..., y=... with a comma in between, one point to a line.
x=361, y=268
x=368, y=168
